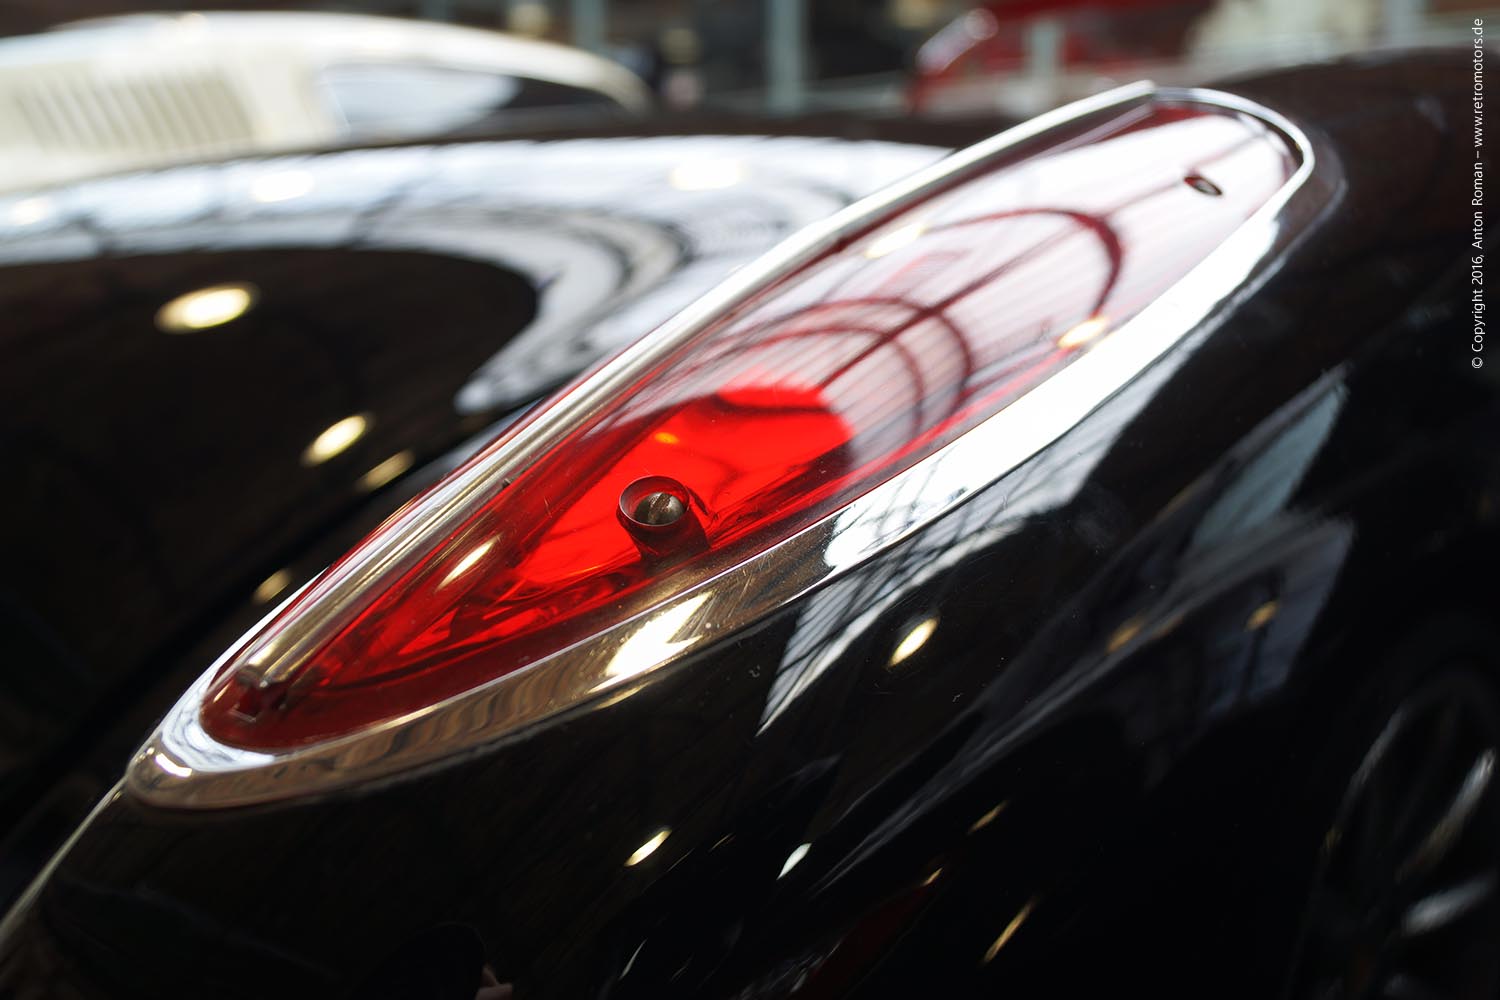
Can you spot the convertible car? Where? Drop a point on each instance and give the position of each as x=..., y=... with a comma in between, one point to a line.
x=1067, y=571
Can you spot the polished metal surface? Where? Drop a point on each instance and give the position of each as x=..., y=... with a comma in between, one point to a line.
x=181, y=766
x=658, y=509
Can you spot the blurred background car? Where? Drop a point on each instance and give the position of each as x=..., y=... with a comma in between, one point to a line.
x=1025, y=56
x=142, y=90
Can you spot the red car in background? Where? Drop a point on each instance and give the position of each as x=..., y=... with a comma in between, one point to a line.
x=1023, y=57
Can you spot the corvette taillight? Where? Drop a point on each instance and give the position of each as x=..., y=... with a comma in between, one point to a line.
x=702, y=449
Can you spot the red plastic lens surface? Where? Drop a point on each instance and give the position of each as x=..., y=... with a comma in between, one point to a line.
x=820, y=388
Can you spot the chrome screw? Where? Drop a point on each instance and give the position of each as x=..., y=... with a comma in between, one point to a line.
x=658, y=509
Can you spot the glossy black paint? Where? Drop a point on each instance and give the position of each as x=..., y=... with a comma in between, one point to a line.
x=155, y=504
x=1103, y=770
x=156, y=477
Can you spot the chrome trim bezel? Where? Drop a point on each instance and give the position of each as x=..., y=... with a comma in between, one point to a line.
x=181, y=766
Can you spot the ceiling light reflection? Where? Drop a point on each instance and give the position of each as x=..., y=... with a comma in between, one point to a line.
x=656, y=640
x=794, y=858
x=386, y=471
x=170, y=766
x=467, y=562
x=1120, y=637
x=273, y=585
x=336, y=439
x=649, y=847
x=1083, y=333
x=206, y=308
x=914, y=640
x=1009, y=932
x=988, y=818
x=1261, y=616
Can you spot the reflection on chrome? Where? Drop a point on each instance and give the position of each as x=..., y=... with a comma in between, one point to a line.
x=30, y=211
x=742, y=592
x=206, y=308
x=392, y=468
x=894, y=240
x=189, y=741
x=641, y=649
x=649, y=847
x=1083, y=333
x=170, y=766
x=283, y=185
x=336, y=439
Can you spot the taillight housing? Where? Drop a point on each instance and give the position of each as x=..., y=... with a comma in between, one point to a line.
x=869, y=348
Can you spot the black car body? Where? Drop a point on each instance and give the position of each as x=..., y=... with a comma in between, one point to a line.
x=435, y=289
x=1195, y=695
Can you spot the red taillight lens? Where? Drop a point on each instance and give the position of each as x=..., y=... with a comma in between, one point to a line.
x=817, y=389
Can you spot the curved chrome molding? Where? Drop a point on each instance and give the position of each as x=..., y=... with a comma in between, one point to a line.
x=183, y=767
x=15, y=918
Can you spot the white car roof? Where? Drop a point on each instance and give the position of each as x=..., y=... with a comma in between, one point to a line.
x=333, y=38
x=144, y=90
